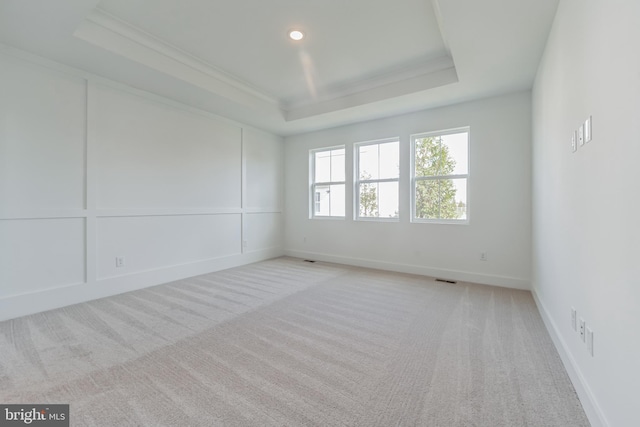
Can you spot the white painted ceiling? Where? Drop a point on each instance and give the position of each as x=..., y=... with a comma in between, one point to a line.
x=360, y=59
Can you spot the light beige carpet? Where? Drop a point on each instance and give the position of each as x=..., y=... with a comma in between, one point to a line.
x=289, y=343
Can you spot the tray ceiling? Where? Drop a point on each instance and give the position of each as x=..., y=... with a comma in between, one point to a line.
x=359, y=60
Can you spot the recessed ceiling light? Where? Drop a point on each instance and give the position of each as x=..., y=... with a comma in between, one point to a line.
x=296, y=35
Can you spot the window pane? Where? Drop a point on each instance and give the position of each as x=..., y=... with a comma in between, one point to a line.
x=427, y=200
x=460, y=197
x=321, y=200
x=455, y=154
x=388, y=199
x=389, y=158
x=337, y=165
x=441, y=199
x=337, y=200
x=378, y=200
x=368, y=200
x=329, y=200
x=368, y=161
x=322, y=166
x=427, y=156
x=379, y=161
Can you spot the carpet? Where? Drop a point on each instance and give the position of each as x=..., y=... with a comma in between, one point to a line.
x=290, y=343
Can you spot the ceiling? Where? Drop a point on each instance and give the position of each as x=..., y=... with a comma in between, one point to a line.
x=359, y=60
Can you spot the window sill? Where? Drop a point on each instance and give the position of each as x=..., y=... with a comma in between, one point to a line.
x=440, y=221
x=360, y=219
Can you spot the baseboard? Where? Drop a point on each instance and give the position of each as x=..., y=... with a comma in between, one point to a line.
x=35, y=302
x=589, y=404
x=463, y=276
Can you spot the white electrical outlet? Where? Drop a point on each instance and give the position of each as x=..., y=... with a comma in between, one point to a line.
x=483, y=256
x=590, y=341
x=574, y=323
x=119, y=261
x=582, y=329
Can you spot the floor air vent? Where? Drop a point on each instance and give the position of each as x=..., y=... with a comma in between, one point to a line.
x=446, y=281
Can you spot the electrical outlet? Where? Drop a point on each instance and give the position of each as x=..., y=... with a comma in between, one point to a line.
x=582, y=329
x=574, y=323
x=483, y=256
x=581, y=135
x=119, y=261
x=587, y=130
x=590, y=341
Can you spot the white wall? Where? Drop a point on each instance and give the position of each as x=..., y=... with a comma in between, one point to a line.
x=91, y=170
x=499, y=199
x=585, y=205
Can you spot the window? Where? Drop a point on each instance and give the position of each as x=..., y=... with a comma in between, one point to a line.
x=327, y=182
x=376, y=183
x=440, y=163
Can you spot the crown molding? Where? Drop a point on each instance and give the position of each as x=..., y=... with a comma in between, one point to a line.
x=109, y=32
x=374, y=90
x=115, y=35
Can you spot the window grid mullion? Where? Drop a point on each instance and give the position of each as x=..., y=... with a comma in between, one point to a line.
x=438, y=177
x=373, y=181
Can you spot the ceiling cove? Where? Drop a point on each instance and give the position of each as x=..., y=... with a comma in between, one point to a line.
x=107, y=31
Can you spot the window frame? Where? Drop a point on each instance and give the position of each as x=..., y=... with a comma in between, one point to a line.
x=313, y=184
x=415, y=179
x=357, y=181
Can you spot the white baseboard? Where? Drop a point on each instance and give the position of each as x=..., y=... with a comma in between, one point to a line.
x=463, y=276
x=589, y=404
x=35, y=302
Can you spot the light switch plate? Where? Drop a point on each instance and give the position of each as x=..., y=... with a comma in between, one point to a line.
x=581, y=135
x=590, y=341
x=587, y=130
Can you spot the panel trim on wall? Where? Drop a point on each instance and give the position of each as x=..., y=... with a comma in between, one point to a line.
x=91, y=243
x=63, y=294
x=9, y=214
x=40, y=254
x=111, y=213
x=48, y=299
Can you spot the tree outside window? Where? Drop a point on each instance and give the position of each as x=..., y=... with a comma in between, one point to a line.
x=441, y=172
